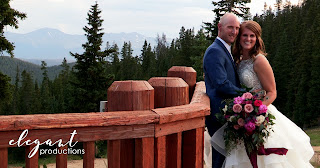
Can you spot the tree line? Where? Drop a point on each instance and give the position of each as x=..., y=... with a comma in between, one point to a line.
x=289, y=34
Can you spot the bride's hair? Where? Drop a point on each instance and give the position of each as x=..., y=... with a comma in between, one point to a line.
x=259, y=46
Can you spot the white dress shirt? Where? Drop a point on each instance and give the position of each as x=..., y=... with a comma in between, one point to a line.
x=226, y=45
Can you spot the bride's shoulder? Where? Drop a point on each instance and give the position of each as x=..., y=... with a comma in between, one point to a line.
x=260, y=58
x=260, y=61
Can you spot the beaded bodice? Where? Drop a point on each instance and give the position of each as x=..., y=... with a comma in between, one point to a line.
x=247, y=75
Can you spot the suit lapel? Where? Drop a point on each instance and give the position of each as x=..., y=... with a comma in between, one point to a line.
x=226, y=51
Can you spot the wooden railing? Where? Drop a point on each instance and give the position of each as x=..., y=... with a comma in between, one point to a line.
x=148, y=124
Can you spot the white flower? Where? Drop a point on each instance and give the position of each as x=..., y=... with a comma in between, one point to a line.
x=225, y=109
x=231, y=118
x=260, y=119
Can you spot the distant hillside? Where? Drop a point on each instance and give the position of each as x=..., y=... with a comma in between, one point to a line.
x=9, y=66
x=52, y=45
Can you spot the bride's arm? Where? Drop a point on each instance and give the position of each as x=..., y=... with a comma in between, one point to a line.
x=266, y=77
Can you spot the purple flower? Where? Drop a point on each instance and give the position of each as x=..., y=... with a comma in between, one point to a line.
x=250, y=127
x=263, y=109
x=238, y=100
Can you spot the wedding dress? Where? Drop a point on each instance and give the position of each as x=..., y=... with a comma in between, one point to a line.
x=286, y=135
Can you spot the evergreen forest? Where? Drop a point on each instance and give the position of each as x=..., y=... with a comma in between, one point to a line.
x=291, y=35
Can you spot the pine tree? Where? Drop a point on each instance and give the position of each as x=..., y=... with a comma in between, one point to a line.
x=8, y=17
x=46, y=99
x=5, y=90
x=26, y=93
x=161, y=55
x=115, y=62
x=199, y=48
x=148, y=61
x=237, y=7
x=91, y=77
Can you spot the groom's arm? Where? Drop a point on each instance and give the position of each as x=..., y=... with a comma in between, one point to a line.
x=217, y=73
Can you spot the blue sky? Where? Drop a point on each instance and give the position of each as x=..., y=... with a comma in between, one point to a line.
x=147, y=17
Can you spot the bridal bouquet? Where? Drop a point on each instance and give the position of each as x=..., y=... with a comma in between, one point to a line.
x=247, y=121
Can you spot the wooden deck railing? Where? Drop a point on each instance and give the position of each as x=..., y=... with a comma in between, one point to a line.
x=148, y=124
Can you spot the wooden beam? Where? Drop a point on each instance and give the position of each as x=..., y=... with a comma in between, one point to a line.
x=144, y=152
x=3, y=157
x=174, y=150
x=179, y=126
x=113, y=154
x=84, y=134
x=31, y=162
x=88, y=157
x=160, y=152
x=62, y=159
x=71, y=120
x=193, y=144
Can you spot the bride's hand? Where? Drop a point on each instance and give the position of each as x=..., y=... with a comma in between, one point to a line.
x=259, y=92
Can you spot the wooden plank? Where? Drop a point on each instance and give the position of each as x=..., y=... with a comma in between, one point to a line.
x=183, y=112
x=178, y=126
x=46, y=121
x=144, y=152
x=88, y=157
x=113, y=153
x=127, y=153
x=200, y=95
x=84, y=134
x=193, y=144
x=3, y=157
x=31, y=162
x=160, y=152
x=174, y=150
x=62, y=158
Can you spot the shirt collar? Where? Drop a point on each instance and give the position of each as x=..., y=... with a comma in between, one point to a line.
x=225, y=44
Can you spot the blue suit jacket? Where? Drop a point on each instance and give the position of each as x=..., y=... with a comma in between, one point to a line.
x=221, y=80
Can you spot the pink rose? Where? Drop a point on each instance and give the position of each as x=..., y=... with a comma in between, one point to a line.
x=248, y=108
x=263, y=109
x=237, y=108
x=241, y=122
x=236, y=127
x=238, y=100
x=250, y=127
x=257, y=103
x=247, y=95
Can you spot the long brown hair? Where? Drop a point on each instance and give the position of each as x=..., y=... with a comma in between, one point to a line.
x=259, y=46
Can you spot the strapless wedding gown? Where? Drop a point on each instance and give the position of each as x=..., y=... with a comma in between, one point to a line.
x=286, y=135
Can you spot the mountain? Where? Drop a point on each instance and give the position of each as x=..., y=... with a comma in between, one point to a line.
x=8, y=66
x=52, y=45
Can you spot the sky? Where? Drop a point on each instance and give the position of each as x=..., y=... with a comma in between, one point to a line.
x=147, y=17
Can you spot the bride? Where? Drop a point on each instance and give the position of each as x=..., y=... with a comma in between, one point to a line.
x=255, y=72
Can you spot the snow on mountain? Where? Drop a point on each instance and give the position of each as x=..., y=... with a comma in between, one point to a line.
x=52, y=45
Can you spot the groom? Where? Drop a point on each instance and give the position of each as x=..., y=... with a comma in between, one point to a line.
x=221, y=77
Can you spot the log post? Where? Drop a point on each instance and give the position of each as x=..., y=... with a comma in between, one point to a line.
x=188, y=74
x=131, y=96
x=33, y=161
x=3, y=157
x=88, y=157
x=169, y=91
x=62, y=159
